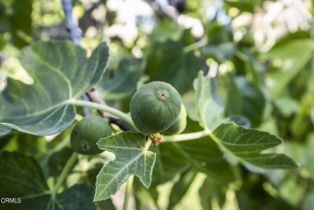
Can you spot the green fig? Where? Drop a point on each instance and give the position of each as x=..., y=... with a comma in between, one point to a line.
x=155, y=107
x=179, y=124
x=86, y=134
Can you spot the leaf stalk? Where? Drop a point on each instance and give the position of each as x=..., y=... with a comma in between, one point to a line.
x=123, y=116
x=66, y=170
x=187, y=136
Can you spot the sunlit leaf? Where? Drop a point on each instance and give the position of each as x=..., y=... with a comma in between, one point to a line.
x=61, y=71
x=204, y=108
x=247, y=146
x=180, y=188
x=132, y=157
x=293, y=56
x=303, y=153
x=16, y=18
x=308, y=203
x=209, y=192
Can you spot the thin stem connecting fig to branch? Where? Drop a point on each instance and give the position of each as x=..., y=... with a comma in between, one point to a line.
x=188, y=136
x=123, y=116
x=94, y=96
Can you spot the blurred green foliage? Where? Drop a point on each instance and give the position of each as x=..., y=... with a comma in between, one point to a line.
x=263, y=78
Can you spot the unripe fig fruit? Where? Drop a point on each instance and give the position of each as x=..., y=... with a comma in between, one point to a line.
x=179, y=124
x=155, y=106
x=86, y=134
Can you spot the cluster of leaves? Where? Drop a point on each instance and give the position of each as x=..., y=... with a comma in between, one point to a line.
x=235, y=118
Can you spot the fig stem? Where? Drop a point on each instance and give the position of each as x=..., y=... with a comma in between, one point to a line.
x=123, y=116
x=187, y=136
x=128, y=190
x=67, y=168
x=147, y=145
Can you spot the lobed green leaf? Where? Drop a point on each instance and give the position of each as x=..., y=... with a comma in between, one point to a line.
x=248, y=146
x=132, y=157
x=61, y=72
x=204, y=108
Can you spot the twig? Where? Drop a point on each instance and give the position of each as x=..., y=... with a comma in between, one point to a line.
x=87, y=20
x=123, y=116
x=74, y=33
x=69, y=21
x=94, y=96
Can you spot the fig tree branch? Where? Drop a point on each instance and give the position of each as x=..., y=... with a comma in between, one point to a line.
x=69, y=21
x=102, y=107
x=94, y=96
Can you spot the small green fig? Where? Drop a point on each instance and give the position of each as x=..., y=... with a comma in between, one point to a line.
x=155, y=107
x=179, y=124
x=86, y=134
